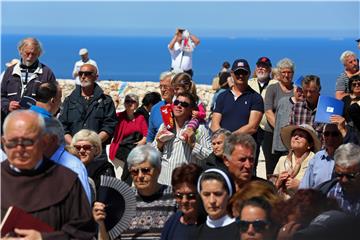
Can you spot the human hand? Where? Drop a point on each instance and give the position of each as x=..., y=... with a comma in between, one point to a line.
x=98, y=212
x=287, y=231
x=281, y=179
x=340, y=122
x=194, y=114
x=292, y=183
x=26, y=234
x=14, y=105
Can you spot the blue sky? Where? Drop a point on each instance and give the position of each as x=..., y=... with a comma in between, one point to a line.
x=334, y=19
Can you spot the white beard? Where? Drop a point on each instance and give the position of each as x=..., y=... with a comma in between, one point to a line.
x=262, y=76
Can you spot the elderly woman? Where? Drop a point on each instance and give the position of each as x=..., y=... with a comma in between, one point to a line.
x=255, y=220
x=352, y=102
x=131, y=130
x=154, y=202
x=216, y=188
x=183, y=224
x=302, y=142
x=214, y=160
x=87, y=143
x=274, y=92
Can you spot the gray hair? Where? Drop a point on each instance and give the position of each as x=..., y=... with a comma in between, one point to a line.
x=312, y=78
x=30, y=42
x=242, y=139
x=346, y=54
x=165, y=74
x=90, y=136
x=144, y=153
x=16, y=115
x=347, y=155
x=54, y=127
x=132, y=96
x=219, y=132
x=286, y=63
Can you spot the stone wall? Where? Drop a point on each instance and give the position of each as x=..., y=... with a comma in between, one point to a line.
x=118, y=89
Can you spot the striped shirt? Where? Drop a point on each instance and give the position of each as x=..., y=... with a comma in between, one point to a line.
x=342, y=83
x=177, y=152
x=350, y=206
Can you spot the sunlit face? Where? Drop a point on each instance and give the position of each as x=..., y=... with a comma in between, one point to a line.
x=144, y=175
x=29, y=54
x=241, y=163
x=130, y=105
x=250, y=214
x=218, y=145
x=349, y=178
x=185, y=195
x=299, y=141
x=240, y=76
x=178, y=90
x=298, y=94
x=355, y=86
x=214, y=197
x=287, y=75
x=179, y=108
x=23, y=132
x=262, y=72
x=87, y=151
x=87, y=75
x=311, y=93
x=166, y=90
x=351, y=64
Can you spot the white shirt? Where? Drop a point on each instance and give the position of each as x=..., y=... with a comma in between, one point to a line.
x=77, y=66
x=181, y=60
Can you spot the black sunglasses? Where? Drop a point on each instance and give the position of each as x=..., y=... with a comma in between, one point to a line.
x=86, y=147
x=349, y=176
x=183, y=104
x=135, y=171
x=86, y=73
x=333, y=134
x=241, y=72
x=189, y=196
x=24, y=142
x=355, y=84
x=258, y=225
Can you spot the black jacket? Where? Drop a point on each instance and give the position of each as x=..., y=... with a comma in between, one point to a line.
x=98, y=114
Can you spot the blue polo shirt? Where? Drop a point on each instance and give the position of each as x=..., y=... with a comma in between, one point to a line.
x=155, y=120
x=235, y=112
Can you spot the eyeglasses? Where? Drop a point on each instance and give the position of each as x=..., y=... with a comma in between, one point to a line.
x=86, y=147
x=144, y=171
x=183, y=104
x=241, y=72
x=86, y=73
x=349, y=176
x=165, y=87
x=189, y=196
x=355, y=84
x=333, y=134
x=24, y=142
x=258, y=225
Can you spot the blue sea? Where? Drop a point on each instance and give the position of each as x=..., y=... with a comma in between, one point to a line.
x=144, y=58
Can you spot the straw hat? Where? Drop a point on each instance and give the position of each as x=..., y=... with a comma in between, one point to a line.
x=286, y=132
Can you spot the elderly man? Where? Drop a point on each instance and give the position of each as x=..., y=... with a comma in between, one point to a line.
x=239, y=154
x=88, y=107
x=36, y=180
x=177, y=150
x=23, y=78
x=154, y=202
x=167, y=94
x=215, y=159
x=84, y=54
x=345, y=188
x=351, y=68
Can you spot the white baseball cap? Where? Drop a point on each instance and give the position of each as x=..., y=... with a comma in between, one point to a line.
x=83, y=51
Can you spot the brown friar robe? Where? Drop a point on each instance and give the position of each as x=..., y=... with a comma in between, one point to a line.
x=51, y=193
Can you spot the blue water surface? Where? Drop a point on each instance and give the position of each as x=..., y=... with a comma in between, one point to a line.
x=144, y=58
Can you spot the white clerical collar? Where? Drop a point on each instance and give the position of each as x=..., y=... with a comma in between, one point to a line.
x=19, y=171
x=221, y=222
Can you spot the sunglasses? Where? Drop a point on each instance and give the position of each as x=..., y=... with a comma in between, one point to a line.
x=189, y=196
x=349, y=176
x=355, y=84
x=135, y=171
x=86, y=147
x=258, y=225
x=333, y=134
x=86, y=73
x=241, y=72
x=24, y=142
x=182, y=104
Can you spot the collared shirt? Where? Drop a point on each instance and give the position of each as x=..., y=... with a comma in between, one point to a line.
x=71, y=162
x=303, y=114
x=177, y=152
x=320, y=169
x=42, y=111
x=180, y=59
x=350, y=206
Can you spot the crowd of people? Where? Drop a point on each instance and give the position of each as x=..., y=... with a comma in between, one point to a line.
x=193, y=174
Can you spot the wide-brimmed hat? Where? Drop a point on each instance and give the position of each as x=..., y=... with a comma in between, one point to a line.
x=286, y=132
